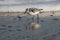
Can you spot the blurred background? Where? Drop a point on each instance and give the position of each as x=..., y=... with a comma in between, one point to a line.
x=21, y=5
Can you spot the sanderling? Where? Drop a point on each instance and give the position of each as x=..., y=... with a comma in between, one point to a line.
x=33, y=12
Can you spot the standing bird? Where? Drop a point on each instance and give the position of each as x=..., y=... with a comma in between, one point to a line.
x=33, y=12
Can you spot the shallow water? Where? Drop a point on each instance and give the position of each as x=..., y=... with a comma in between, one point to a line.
x=14, y=28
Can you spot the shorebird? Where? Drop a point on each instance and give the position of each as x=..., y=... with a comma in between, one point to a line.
x=33, y=12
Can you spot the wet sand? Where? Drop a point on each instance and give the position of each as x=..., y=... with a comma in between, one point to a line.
x=14, y=27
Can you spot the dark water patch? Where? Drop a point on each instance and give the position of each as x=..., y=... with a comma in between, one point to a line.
x=19, y=17
x=55, y=19
x=18, y=30
x=3, y=25
x=9, y=26
x=51, y=15
x=3, y=28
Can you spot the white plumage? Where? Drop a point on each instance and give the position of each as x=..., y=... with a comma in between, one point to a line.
x=31, y=13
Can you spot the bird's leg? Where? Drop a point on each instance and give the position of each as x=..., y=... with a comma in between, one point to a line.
x=37, y=18
x=33, y=18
